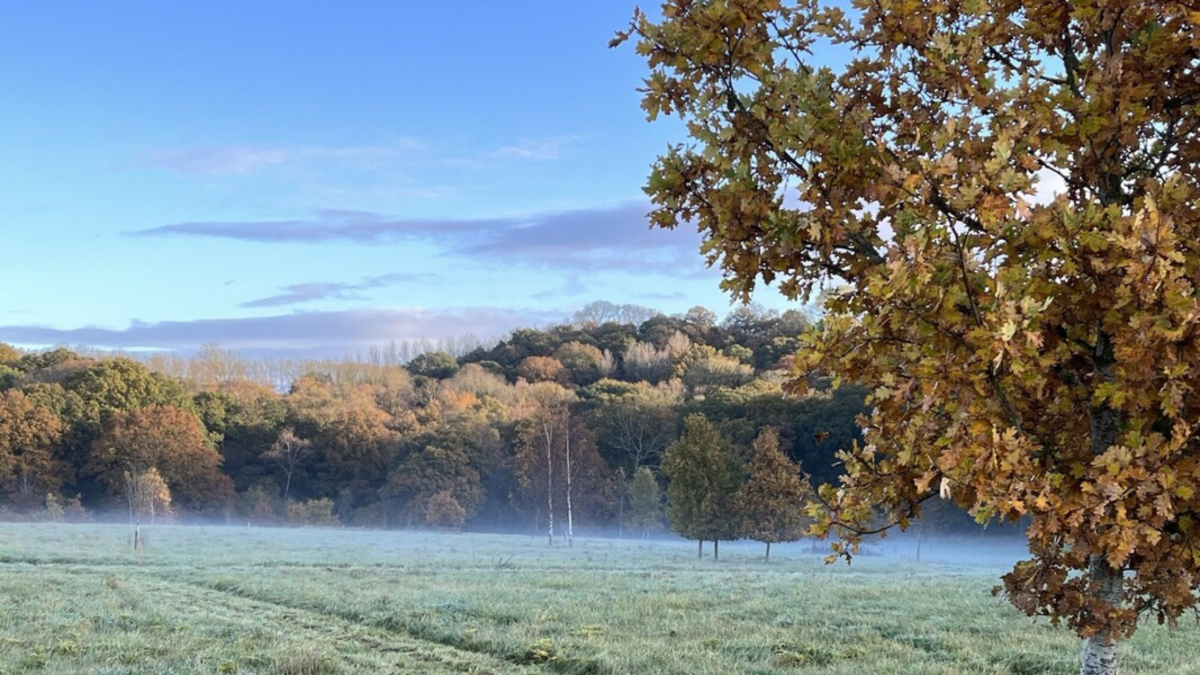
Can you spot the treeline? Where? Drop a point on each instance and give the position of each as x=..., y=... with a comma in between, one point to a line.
x=549, y=429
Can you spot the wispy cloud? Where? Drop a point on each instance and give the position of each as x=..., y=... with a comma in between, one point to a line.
x=615, y=237
x=677, y=295
x=204, y=160
x=573, y=286
x=297, y=294
x=329, y=331
x=250, y=158
x=538, y=149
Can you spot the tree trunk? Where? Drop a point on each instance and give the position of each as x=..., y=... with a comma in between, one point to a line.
x=716, y=550
x=621, y=512
x=699, y=548
x=768, y=558
x=1100, y=650
x=287, y=487
x=549, y=481
x=920, y=536
x=570, y=517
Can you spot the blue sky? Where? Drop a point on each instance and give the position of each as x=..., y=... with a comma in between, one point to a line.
x=325, y=176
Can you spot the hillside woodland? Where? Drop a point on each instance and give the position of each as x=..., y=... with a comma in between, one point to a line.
x=574, y=426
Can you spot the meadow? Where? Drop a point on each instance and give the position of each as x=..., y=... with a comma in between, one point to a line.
x=307, y=602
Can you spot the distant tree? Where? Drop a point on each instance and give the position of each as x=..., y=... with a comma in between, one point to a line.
x=659, y=330
x=705, y=473
x=53, y=508
x=149, y=497
x=749, y=325
x=771, y=501
x=260, y=503
x=244, y=419
x=119, y=385
x=601, y=312
x=437, y=365
x=29, y=435
x=702, y=367
x=313, y=512
x=634, y=426
x=584, y=363
x=701, y=317
x=289, y=451
x=169, y=440
x=212, y=366
x=8, y=354
x=443, y=510
x=542, y=369
x=437, y=464
x=541, y=439
x=645, y=362
x=645, y=502
x=9, y=376
x=585, y=474
x=74, y=511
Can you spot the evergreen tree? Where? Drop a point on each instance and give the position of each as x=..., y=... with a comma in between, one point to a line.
x=645, y=502
x=705, y=474
x=771, y=500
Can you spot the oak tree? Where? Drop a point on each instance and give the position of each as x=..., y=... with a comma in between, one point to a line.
x=167, y=440
x=29, y=436
x=1004, y=195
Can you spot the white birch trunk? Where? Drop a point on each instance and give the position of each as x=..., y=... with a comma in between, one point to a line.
x=546, y=427
x=570, y=516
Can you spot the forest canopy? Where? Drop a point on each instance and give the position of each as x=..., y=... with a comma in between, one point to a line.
x=548, y=423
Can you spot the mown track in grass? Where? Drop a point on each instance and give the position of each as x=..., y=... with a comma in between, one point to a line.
x=331, y=602
x=95, y=622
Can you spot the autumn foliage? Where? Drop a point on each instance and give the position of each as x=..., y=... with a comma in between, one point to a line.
x=1002, y=198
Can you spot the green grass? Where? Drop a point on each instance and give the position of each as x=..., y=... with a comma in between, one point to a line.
x=300, y=602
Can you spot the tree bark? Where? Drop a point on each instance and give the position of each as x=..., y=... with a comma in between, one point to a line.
x=549, y=480
x=1100, y=650
x=570, y=516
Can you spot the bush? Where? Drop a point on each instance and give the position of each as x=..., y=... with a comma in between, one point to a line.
x=312, y=512
x=74, y=511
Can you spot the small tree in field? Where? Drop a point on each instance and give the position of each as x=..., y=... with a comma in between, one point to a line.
x=705, y=473
x=1033, y=351
x=771, y=501
x=645, y=502
x=149, y=496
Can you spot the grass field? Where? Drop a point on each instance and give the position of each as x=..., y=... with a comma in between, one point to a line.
x=296, y=602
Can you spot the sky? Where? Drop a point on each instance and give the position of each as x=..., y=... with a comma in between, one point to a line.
x=304, y=177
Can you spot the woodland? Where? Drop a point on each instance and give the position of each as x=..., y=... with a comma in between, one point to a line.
x=544, y=431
